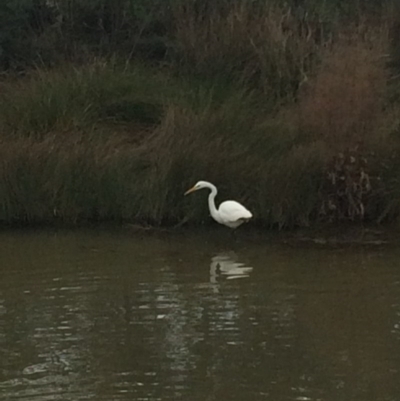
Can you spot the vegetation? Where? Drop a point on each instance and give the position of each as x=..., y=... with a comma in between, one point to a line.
x=110, y=110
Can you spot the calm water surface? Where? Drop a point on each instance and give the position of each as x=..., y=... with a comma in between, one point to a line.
x=121, y=316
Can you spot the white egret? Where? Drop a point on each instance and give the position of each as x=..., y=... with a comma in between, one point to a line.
x=230, y=213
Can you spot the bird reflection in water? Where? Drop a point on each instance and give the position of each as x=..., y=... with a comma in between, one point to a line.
x=226, y=265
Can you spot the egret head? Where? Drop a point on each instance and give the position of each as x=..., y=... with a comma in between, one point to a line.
x=197, y=186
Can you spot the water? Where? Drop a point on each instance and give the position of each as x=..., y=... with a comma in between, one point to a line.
x=122, y=316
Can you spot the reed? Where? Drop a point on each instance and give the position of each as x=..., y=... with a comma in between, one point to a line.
x=102, y=168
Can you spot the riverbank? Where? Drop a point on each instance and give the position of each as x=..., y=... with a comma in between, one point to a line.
x=326, y=236
x=310, y=136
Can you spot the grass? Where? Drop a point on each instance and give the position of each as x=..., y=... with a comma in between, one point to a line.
x=66, y=157
x=255, y=46
x=302, y=128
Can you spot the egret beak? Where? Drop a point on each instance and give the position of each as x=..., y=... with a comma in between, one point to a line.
x=190, y=191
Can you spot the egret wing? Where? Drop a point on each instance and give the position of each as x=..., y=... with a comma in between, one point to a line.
x=233, y=211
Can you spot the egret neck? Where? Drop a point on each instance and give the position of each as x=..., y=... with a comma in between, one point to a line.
x=211, y=202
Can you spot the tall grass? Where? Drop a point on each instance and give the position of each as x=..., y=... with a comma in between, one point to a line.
x=67, y=179
x=102, y=169
x=265, y=47
x=298, y=123
x=77, y=98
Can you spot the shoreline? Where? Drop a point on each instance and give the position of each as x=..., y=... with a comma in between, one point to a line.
x=318, y=236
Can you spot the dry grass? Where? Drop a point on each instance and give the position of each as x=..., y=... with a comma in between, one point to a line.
x=346, y=107
x=265, y=47
x=344, y=103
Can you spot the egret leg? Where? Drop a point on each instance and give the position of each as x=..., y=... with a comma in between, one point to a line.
x=234, y=235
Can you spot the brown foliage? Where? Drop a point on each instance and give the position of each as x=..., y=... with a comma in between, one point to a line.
x=344, y=107
x=343, y=104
